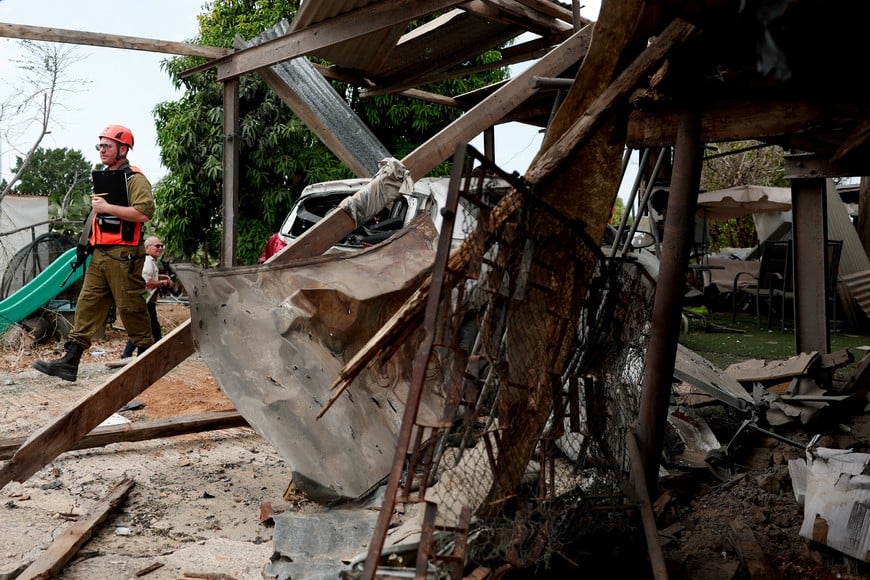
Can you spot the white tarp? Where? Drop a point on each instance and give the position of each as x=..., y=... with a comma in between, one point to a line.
x=390, y=182
x=835, y=499
x=17, y=213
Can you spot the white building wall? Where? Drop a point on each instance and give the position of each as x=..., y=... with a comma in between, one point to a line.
x=17, y=213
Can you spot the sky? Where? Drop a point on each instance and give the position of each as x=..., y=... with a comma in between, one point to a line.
x=516, y=144
x=120, y=86
x=124, y=86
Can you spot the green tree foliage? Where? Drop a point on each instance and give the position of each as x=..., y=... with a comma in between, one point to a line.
x=740, y=163
x=617, y=211
x=279, y=156
x=62, y=174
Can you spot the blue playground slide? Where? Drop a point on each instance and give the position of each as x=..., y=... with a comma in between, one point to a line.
x=39, y=291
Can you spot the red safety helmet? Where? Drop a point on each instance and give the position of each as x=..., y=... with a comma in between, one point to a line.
x=118, y=133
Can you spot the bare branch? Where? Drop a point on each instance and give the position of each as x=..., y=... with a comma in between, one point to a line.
x=38, y=96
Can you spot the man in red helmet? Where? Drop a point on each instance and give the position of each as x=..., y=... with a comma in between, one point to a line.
x=114, y=275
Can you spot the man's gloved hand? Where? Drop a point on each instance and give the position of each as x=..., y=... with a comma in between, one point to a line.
x=82, y=253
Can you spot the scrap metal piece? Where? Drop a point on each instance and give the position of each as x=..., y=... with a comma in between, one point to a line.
x=276, y=336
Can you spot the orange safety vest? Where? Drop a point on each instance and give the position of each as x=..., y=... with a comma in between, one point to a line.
x=110, y=230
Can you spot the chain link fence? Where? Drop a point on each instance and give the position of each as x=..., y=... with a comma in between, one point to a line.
x=541, y=340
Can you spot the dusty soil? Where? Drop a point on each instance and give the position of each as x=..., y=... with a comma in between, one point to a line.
x=195, y=508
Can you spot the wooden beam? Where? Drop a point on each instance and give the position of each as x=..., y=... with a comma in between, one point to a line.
x=511, y=12
x=409, y=316
x=334, y=74
x=52, y=560
x=337, y=223
x=675, y=34
x=749, y=550
x=142, y=431
x=109, y=40
x=431, y=98
x=317, y=239
x=531, y=50
x=232, y=170
x=730, y=120
x=353, y=24
x=856, y=140
x=491, y=110
x=811, y=166
x=509, y=57
x=555, y=10
x=68, y=429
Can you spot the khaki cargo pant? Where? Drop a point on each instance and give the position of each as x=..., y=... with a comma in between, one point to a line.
x=108, y=281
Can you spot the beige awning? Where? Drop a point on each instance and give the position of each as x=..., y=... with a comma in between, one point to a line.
x=743, y=200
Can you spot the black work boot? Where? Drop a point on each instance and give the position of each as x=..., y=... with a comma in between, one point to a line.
x=66, y=367
x=141, y=349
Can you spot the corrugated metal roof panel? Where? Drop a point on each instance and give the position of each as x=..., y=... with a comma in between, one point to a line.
x=858, y=289
x=854, y=258
x=328, y=115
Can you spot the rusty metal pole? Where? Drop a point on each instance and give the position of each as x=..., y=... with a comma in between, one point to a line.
x=809, y=268
x=670, y=287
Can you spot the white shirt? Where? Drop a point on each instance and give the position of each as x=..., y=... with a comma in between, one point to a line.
x=150, y=273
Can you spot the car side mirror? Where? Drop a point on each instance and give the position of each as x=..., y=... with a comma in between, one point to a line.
x=642, y=240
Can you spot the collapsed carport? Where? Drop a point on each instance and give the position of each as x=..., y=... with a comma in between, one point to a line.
x=548, y=289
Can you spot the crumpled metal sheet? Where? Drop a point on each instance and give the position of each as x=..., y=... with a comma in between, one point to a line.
x=276, y=337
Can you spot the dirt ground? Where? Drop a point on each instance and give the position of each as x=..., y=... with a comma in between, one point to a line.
x=196, y=501
x=195, y=507
x=716, y=527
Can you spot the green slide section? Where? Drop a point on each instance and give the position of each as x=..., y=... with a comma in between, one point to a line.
x=40, y=291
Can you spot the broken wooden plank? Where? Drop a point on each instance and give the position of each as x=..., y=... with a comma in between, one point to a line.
x=349, y=25
x=577, y=133
x=749, y=550
x=142, y=431
x=834, y=360
x=491, y=110
x=757, y=370
x=148, y=569
x=65, y=431
x=398, y=324
x=688, y=395
x=51, y=561
x=317, y=239
x=644, y=506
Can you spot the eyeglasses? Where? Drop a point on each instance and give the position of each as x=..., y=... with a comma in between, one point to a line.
x=158, y=246
x=102, y=146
